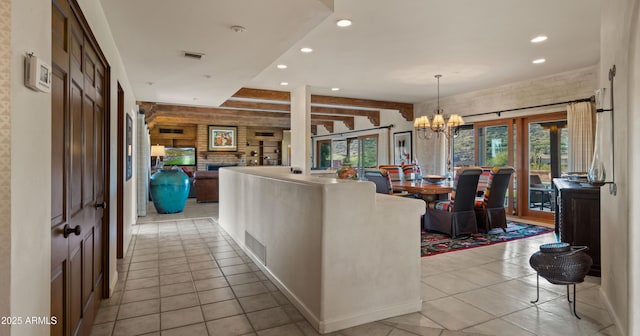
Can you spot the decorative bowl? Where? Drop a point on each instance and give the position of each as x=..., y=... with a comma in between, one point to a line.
x=434, y=179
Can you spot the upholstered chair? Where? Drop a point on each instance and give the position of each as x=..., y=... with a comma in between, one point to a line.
x=490, y=212
x=380, y=178
x=411, y=172
x=395, y=173
x=456, y=216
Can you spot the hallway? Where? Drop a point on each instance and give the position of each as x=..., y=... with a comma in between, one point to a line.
x=183, y=275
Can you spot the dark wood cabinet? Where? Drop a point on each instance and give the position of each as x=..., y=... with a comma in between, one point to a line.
x=577, y=217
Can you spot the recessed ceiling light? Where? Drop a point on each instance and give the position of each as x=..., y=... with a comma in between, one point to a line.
x=238, y=29
x=335, y=89
x=343, y=23
x=306, y=50
x=281, y=66
x=538, y=39
x=539, y=61
x=284, y=83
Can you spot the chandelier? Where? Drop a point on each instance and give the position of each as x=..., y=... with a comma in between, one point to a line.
x=426, y=127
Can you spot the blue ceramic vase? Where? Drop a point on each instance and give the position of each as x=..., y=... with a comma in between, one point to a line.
x=169, y=190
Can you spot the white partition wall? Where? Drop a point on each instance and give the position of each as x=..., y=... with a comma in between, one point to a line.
x=343, y=254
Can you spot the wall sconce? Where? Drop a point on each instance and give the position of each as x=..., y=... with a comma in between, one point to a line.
x=596, y=175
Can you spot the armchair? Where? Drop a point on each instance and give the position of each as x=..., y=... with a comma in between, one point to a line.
x=456, y=216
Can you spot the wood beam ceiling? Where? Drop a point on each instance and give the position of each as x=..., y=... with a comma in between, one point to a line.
x=245, y=104
x=405, y=109
x=164, y=113
x=324, y=110
x=373, y=116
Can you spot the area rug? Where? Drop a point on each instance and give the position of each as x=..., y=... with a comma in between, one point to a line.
x=435, y=243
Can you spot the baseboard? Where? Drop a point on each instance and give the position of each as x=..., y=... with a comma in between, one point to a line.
x=370, y=316
x=323, y=327
x=113, y=282
x=616, y=320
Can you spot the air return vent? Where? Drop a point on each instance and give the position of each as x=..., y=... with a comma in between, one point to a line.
x=258, y=249
x=171, y=131
x=194, y=55
x=265, y=134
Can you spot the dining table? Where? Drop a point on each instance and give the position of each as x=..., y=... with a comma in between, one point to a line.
x=426, y=190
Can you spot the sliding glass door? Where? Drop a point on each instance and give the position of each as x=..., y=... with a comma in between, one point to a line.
x=546, y=148
x=495, y=148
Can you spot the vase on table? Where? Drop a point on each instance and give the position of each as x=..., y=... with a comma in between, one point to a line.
x=169, y=190
x=346, y=172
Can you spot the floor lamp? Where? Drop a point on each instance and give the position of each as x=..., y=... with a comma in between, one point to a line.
x=158, y=151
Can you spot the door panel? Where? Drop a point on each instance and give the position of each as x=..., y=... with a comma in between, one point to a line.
x=89, y=153
x=75, y=287
x=58, y=292
x=75, y=175
x=87, y=268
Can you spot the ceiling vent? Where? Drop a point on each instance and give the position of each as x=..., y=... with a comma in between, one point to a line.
x=194, y=55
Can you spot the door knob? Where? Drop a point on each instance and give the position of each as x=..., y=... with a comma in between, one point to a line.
x=101, y=205
x=68, y=230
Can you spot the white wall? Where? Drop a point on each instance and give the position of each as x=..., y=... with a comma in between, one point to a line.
x=633, y=152
x=301, y=128
x=30, y=169
x=5, y=165
x=30, y=196
x=570, y=85
x=618, y=235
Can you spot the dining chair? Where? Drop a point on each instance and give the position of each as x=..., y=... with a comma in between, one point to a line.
x=490, y=212
x=381, y=179
x=395, y=173
x=456, y=216
x=411, y=172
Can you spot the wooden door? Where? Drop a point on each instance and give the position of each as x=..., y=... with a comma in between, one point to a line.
x=77, y=173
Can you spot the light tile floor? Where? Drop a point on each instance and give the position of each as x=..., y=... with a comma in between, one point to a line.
x=186, y=276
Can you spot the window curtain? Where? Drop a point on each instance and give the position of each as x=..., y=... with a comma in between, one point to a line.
x=581, y=126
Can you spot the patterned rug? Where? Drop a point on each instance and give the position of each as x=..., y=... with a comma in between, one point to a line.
x=435, y=243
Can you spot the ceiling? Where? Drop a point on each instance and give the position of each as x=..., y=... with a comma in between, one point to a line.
x=391, y=52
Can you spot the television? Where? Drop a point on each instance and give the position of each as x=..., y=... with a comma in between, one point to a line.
x=179, y=156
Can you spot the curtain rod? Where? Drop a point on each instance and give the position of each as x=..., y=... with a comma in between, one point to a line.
x=354, y=131
x=590, y=99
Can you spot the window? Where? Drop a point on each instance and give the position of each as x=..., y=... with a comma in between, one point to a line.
x=464, y=147
x=324, y=154
x=332, y=153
